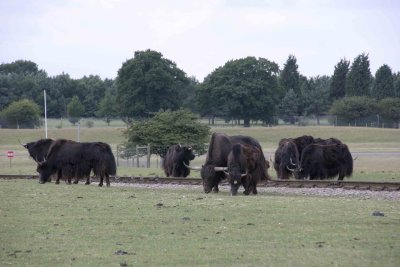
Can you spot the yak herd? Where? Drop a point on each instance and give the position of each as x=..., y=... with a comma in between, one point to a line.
x=238, y=159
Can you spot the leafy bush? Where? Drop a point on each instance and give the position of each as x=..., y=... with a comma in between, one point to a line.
x=166, y=129
x=21, y=114
x=354, y=107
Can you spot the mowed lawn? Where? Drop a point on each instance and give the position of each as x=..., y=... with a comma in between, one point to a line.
x=78, y=225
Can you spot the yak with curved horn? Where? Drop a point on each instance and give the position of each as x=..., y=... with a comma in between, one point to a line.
x=220, y=146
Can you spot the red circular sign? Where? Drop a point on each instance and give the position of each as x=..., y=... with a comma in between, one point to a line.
x=10, y=154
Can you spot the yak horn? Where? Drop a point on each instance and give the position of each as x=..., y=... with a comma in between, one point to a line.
x=192, y=168
x=245, y=174
x=289, y=169
x=40, y=162
x=291, y=162
x=24, y=145
x=219, y=169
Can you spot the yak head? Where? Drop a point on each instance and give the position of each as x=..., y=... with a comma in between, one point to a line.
x=290, y=156
x=44, y=171
x=188, y=153
x=237, y=167
x=211, y=176
x=38, y=150
x=235, y=174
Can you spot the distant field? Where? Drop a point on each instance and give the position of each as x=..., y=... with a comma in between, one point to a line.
x=359, y=139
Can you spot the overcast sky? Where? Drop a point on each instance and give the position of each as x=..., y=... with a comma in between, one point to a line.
x=83, y=37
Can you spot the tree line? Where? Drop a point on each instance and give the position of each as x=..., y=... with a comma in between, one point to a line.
x=243, y=90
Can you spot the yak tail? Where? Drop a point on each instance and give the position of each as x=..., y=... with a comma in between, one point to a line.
x=262, y=167
x=111, y=165
x=349, y=164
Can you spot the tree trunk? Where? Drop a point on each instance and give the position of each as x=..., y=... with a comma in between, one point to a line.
x=246, y=123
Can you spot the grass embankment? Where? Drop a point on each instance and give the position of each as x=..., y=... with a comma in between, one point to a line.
x=366, y=167
x=62, y=225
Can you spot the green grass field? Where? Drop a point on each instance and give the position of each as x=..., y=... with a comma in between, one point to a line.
x=359, y=139
x=78, y=225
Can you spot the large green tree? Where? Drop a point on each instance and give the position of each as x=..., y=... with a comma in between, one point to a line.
x=166, y=129
x=337, y=87
x=290, y=76
x=289, y=106
x=21, y=114
x=75, y=110
x=149, y=82
x=19, y=67
x=241, y=89
x=396, y=84
x=354, y=107
x=383, y=83
x=359, y=77
x=94, y=89
x=389, y=108
x=316, y=97
x=21, y=80
x=107, y=107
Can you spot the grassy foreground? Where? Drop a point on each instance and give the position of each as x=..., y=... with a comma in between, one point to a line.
x=63, y=225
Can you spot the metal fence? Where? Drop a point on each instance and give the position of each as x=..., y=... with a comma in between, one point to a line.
x=139, y=156
x=376, y=121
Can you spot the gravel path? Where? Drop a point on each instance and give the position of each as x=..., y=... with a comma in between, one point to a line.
x=322, y=192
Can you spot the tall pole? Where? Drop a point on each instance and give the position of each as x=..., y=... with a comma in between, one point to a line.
x=45, y=112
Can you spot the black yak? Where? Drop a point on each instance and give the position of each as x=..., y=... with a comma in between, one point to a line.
x=323, y=161
x=212, y=172
x=73, y=159
x=176, y=159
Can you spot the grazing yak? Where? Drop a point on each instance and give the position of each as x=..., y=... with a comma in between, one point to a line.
x=176, y=159
x=325, y=159
x=212, y=172
x=73, y=159
x=286, y=158
x=287, y=155
x=242, y=165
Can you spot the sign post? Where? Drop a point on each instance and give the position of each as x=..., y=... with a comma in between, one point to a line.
x=10, y=155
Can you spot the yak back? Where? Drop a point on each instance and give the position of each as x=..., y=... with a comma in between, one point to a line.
x=303, y=141
x=327, y=159
x=218, y=150
x=96, y=155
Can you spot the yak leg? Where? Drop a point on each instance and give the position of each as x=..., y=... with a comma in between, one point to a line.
x=76, y=180
x=246, y=185
x=341, y=175
x=58, y=177
x=215, y=189
x=255, y=192
x=107, y=180
x=88, y=180
x=101, y=181
x=283, y=174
